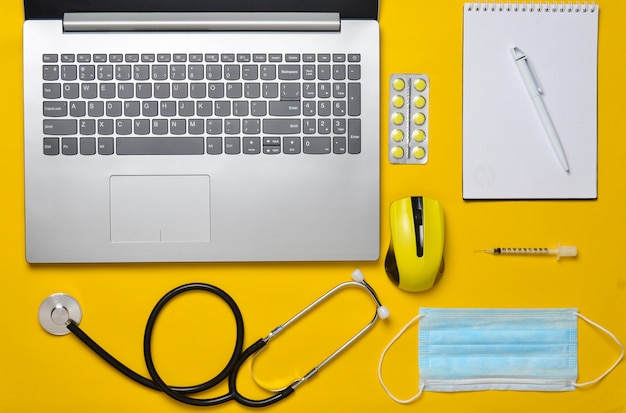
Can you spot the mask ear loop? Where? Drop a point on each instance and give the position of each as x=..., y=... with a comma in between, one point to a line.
x=619, y=359
x=382, y=357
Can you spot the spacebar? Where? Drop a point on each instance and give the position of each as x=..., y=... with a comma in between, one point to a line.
x=160, y=146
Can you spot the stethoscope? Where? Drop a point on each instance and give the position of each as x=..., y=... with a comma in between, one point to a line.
x=60, y=314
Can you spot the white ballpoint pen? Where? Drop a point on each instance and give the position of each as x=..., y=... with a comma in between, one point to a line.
x=535, y=93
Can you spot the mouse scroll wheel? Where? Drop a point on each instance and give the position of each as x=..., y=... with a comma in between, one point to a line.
x=418, y=217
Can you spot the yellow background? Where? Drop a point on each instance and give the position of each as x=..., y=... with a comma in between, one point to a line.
x=40, y=372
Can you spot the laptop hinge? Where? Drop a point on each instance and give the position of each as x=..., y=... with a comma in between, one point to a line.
x=123, y=22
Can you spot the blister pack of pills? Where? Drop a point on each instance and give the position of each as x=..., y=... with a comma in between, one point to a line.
x=408, y=119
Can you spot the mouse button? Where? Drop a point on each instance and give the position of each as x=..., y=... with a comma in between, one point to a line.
x=402, y=227
x=434, y=230
x=417, y=207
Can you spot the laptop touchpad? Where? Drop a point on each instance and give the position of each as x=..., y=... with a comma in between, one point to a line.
x=160, y=208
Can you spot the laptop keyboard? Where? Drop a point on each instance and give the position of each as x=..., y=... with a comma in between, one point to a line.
x=201, y=104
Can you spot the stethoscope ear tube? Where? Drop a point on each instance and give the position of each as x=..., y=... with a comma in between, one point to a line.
x=232, y=380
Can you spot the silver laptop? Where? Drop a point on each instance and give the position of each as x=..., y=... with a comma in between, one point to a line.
x=201, y=130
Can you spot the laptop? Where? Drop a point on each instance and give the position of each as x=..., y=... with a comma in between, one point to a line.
x=201, y=130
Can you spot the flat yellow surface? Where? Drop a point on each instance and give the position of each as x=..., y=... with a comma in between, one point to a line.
x=40, y=372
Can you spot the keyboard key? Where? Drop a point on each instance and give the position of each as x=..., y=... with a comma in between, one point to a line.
x=213, y=126
x=77, y=109
x=105, y=127
x=214, y=146
x=51, y=72
x=69, y=72
x=284, y=108
x=50, y=58
x=160, y=146
x=259, y=57
x=354, y=72
x=55, y=109
x=105, y=146
x=339, y=72
x=164, y=57
x=290, y=91
x=51, y=146
x=316, y=145
x=148, y=58
x=122, y=72
x=60, y=127
x=51, y=90
x=323, y=72
x=268, y=72
x=87, y=146
x=244, y=57
x=354, y=136
x=195, y=72
x=159, y=72
x=69, y=146
x=87, y=126
x=354, y=99
x=87, y=72
x=214, y=72
x=289, y=72
x=232, y=146
x=281, y=126
x=291, y=145
x=339, y=145
x=252, y=145
x=232, y=72
x=105, y=72
x=90, y=90
x=141, y=72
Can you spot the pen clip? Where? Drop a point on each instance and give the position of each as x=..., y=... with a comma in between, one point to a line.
x=518, y=55
x=533, y=76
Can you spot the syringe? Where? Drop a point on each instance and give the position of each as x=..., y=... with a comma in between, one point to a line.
x=559, y=251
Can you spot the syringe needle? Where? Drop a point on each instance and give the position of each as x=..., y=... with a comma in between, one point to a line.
x=487, y=250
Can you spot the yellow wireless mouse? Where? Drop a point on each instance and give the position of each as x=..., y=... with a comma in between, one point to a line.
x=415, y=256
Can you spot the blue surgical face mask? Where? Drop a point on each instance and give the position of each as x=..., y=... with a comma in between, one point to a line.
x=497, y=349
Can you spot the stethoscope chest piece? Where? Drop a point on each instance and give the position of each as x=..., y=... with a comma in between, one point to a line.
x=56, y=311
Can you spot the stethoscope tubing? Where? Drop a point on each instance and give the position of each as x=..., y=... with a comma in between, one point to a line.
x=238, y=357
x=180, y=393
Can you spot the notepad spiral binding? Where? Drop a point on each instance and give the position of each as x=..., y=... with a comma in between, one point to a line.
x=532, y=6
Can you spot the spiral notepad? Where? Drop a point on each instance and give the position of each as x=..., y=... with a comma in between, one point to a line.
x=506, y=153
